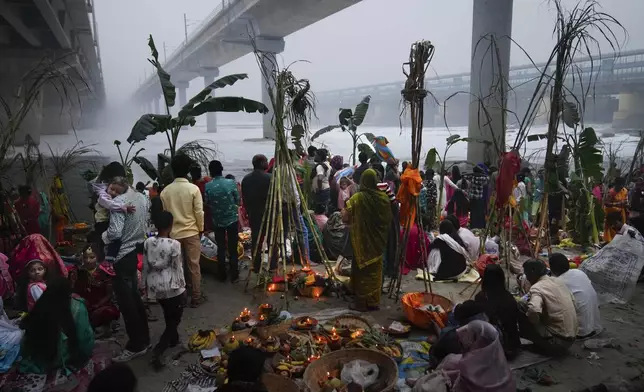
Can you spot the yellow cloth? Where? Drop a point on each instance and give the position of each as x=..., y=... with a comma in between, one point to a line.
x=367, y=283
x=183, y=200
x=614, y=197
x=410, y=185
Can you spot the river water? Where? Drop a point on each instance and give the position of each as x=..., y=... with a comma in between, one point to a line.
x=236, y=150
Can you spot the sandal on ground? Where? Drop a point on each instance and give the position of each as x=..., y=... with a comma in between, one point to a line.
x=127, y=355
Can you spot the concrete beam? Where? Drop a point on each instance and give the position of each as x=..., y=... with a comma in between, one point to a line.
x=9, y=14
x=51, y=18
x=263, y=44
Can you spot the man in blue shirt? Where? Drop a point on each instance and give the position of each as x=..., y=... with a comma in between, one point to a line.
x=223, y=199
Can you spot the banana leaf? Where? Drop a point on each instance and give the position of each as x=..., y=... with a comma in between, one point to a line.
x=149, y=124
x=205, y=93
x=366, y=148
x=453, y=139
x=324, y=130
x=590, y=158
x=227, y=104
x=431, y=158
x=168, y=89
x=147, y=167
x=361, y=111
x=345, y=116
x=370, y=136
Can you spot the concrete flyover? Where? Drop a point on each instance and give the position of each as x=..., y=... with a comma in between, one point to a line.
x=32, y=30
x=224, y=36
x=618, y=94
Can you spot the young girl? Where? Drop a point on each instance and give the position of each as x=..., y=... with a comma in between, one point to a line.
x=94, y=284
x=32, y=283
x=459, y=206
x=164, y=279
x=344, y=193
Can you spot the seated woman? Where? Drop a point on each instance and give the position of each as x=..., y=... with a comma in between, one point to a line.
x=472, y=242
x=417, y=248
x=245, y=369
x=501, y=308
x=94, y=285
x=447, y=257
x=58, y=334
x=482, y=366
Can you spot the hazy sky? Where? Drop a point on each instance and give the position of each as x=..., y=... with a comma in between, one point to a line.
x=364, y=44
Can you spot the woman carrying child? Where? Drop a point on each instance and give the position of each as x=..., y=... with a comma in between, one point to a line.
x=163, y=277
x=94, y=285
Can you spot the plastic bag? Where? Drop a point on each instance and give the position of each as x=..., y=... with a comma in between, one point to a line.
x=491, y=247
x=208, y=247
x=360, y=372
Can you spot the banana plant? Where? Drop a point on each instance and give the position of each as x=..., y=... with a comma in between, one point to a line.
x=127, y=160
x=153, y=123
x=349, y=121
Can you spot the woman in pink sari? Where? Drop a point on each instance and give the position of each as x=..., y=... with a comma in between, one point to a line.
x=416, y=252
x=36, y=247
x=482, y=366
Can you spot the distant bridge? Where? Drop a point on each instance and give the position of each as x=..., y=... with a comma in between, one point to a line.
x=614, y=74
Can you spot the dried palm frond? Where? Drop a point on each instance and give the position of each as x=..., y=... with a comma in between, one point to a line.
x=201, y=151
x=32, y=161
x=71, y=158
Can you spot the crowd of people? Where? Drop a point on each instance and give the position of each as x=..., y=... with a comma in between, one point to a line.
x=145, y=245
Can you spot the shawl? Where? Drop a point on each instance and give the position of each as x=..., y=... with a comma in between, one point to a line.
x=410, y=184
x=370, y=213
x=434, y=261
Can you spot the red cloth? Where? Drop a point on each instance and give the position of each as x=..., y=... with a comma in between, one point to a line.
x=6, y=281
x=28, y=210
x=207, y=215
x=415, y=254
x=510, y=166
x=94, y=289
x=36, y=247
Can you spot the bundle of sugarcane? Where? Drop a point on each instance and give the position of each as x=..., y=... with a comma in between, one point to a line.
x=414, y=94
x=286, y=210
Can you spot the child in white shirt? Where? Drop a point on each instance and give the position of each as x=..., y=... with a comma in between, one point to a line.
x=163, y=277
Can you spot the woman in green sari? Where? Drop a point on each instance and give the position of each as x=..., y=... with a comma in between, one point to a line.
x=368, y=213
x=58, y=334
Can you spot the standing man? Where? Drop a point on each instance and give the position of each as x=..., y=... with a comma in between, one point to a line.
x=129, y=229
x=255, y=187
x=321, y=171
x=183, y=200
x=223, y=199
x=479, y=181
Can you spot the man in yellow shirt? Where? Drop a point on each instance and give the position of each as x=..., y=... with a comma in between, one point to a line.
x=183, y=200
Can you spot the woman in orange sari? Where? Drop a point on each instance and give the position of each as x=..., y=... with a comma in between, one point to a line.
x=615, y=201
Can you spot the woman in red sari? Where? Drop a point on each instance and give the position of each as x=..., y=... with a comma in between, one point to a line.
x=28, y=209
x=94, y=285
x=36, y=247
x=416, y=252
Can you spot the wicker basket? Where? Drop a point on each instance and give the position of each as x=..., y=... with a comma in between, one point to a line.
x=277, y=383
x=421, y=318
x=273, y=330
x=352, y=321
x=311, y=291
x=240, y=335
x=388, y=370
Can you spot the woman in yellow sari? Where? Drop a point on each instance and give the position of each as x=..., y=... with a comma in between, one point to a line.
x=368, y=213
x=615, y=201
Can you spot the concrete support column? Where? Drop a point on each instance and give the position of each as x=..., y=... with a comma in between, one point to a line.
x=492, y=25
x=182, y=86
x=211, y=118
x=155, y=104
x=629, y=111
x=268, y=62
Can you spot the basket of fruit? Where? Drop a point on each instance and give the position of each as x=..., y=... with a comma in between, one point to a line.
x=423, y=309
x=320, y=373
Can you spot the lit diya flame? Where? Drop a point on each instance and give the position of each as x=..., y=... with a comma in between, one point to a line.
x=328, y=375
x=262, y=317
x=232, y=338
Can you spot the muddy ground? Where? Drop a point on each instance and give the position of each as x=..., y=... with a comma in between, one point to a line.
x=574, y=372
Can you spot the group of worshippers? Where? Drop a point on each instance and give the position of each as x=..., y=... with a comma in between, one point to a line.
x=483, y=334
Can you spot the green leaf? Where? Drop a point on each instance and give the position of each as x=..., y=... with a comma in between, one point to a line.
x=147, y=167
x=366, y=148
x=431, y=158
x=183, y=121
x=227, y=104
x=370, y=136
x=205, y=93
x=361, y=111
x=589, y=156
x=453, y=139
x=168, y=89
x=345, y=116
x=475, y=140
x=537, y=137
x=323, y=131
x=570, y=114
x=149, y=124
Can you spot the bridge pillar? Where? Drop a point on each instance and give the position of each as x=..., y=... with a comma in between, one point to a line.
x=629, y=112
x=182, y=86
x=155, y=105
x=268, y=63
x=489, y=76
x=211, y=118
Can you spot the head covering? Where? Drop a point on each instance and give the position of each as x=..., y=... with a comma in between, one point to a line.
x=36, y=247
x=482, y=366
x=370, y=213
x=410, y=184
x=337, y=161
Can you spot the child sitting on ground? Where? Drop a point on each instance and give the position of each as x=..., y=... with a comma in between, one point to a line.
x=94, y=285
x=163, y=277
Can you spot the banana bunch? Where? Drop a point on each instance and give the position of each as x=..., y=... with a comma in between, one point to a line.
x=202, y=340
x=286, y=369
